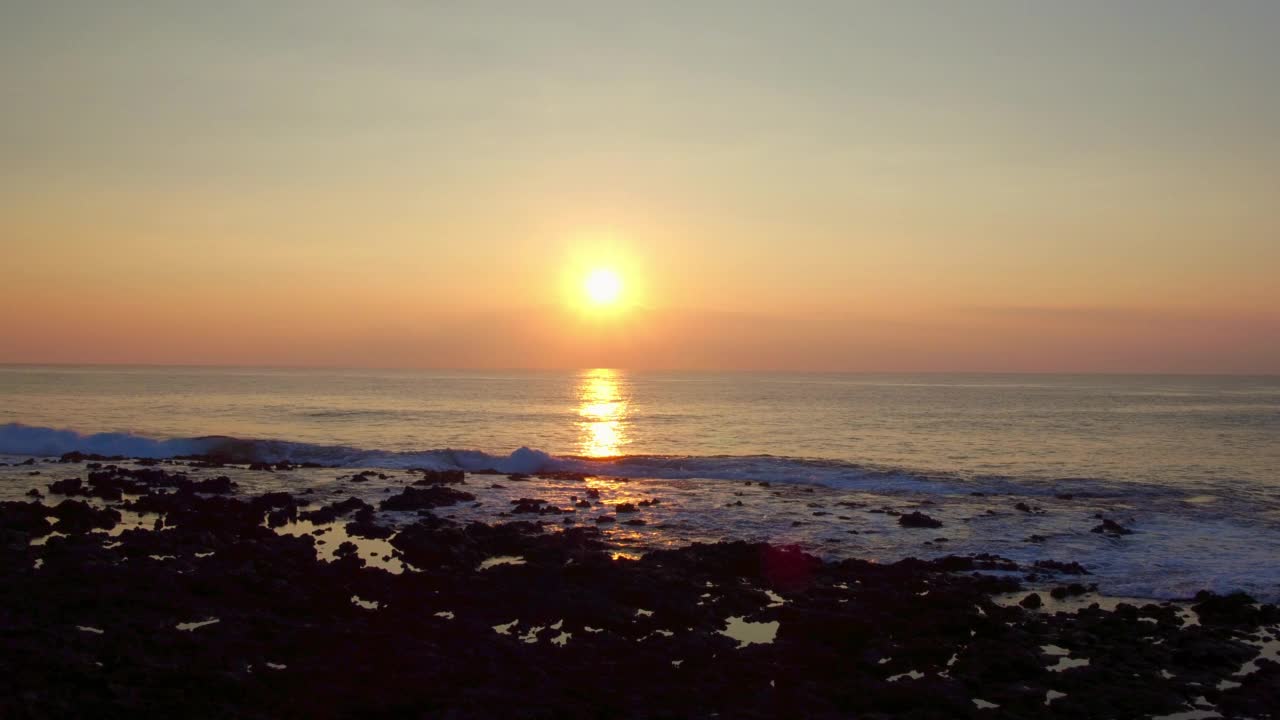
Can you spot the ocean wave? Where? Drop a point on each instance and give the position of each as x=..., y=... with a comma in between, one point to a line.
x=18, y=439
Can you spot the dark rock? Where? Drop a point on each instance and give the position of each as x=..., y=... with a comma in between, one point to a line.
x=425, y=498
x=1111, y=527
x=79, y=457
x=220, y=485
x=1065, y=591
x=333, y=511
x=1031, y=602
x=1258, y=695
x=1237, y=608
x=366, y=528
x=75, y=516
x=621, y=508
x=1066, y=568
x=28, y=518
x=534, y=505
x=68, y=486
x=527, y=505
x=273, y=500
x=280, y=508
x=918, y=519
x=440, y=477
x=279, y=517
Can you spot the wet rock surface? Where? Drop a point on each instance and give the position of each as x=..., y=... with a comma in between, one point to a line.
x=434, y=496
x=532, y=618
x=438, y=477
x=918, y=520
x=335, y=510
x=1111, y=527
x=1066, y=568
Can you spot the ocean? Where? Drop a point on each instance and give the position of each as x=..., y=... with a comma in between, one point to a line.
x=1191, y=463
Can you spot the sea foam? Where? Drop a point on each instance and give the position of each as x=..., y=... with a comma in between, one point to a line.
x=19, y=439
x=24, y=440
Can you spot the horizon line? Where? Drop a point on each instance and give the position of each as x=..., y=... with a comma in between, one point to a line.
x=737, y=371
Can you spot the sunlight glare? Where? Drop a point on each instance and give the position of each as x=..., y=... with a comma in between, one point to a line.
x=602, y=409
x=603, y=286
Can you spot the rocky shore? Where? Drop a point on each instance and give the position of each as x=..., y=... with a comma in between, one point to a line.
x=176, y=589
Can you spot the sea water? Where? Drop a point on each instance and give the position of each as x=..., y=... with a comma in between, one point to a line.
x=1191, y=463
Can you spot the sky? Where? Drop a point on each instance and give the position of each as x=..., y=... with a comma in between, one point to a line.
x=902, y=186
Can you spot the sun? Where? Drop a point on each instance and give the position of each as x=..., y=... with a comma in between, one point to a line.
x=603, y=286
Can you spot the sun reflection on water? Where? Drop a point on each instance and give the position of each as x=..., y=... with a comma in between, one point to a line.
x=602, y=413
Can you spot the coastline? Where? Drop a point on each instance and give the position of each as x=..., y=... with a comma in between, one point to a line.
x=440, y=594
x=1139, y=540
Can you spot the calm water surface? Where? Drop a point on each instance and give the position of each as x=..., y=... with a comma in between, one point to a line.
x=1156, y=429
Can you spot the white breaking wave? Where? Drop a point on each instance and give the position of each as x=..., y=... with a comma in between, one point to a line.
x=19, y=439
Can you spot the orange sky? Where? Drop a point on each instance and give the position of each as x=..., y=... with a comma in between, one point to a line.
x=856, y=187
